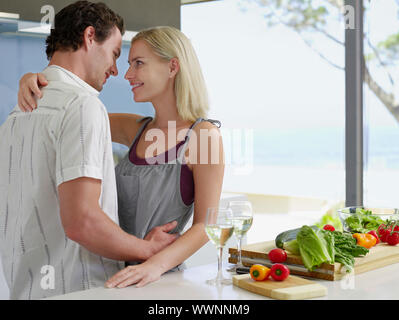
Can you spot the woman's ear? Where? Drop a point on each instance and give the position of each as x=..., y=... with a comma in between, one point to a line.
x=174, y=67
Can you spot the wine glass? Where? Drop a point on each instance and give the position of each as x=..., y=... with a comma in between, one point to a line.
x=242, y=222
x=219, y=228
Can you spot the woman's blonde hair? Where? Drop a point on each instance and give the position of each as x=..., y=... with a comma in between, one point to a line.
x=190, y=89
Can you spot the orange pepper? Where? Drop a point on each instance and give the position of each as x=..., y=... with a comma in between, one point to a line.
x=259, y=272
x=365, y=240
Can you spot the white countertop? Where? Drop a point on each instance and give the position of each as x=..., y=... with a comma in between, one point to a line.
x=190, y=284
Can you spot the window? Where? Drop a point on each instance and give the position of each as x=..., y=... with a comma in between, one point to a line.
x=284, y=84
x=381, y=95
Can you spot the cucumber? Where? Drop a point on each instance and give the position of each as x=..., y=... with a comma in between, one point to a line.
x=288, y=236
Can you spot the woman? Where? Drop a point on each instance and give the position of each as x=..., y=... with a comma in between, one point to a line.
x=159, y=182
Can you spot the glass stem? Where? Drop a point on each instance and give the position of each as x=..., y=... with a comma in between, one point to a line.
x=220, y=254
x=239, y=263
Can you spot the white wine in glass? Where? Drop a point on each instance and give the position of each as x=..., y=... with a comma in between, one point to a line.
x=242, y=221
x=219, y=228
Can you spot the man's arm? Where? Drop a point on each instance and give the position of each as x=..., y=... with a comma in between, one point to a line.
x=84, y=222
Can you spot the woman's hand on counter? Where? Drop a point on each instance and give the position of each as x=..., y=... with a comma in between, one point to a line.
x=140, y=275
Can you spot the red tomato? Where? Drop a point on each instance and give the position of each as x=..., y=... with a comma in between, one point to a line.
x=279, y=272
x=375, y=235
x=381, y=229
x=396, y=228
x=277, y=255
x=384, y=234
x=329, y=227
x=393, y=239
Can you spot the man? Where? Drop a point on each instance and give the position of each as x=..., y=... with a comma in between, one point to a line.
x=58, y=204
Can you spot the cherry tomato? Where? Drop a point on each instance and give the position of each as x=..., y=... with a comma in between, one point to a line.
x=396, y=228
x=381, y=229
x=375, y=235
x=384, y=234
x=279, y=272
x=277, y=255
x=393, y=239
x=329, y=227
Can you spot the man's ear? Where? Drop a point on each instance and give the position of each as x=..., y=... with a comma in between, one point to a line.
x=89, y=37
x=174, y=67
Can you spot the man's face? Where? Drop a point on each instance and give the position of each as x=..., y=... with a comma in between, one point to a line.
x=103, y=58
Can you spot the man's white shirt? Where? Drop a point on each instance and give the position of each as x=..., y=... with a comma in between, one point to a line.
x=66, y=137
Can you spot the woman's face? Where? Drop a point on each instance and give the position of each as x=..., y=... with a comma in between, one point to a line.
x=148, y=74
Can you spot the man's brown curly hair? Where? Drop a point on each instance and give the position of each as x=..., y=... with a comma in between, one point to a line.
x=71, y=21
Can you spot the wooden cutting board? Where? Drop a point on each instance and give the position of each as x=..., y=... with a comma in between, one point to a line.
x=379, y=256
x=292, y=288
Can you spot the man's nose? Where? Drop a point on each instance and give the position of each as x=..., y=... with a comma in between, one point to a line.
x=114, y=70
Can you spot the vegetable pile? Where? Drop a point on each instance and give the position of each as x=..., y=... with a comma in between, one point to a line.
x=318, y=246
x=327, y=243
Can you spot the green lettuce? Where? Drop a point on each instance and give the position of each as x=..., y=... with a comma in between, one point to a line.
x=346, y=249
x=292, y=247
x=315, y=247
x=363, y=221
x=321, y=246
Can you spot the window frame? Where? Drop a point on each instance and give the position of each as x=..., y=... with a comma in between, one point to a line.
x=354, y=76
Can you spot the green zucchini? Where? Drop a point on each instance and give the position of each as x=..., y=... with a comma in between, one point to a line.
x=288, y=236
